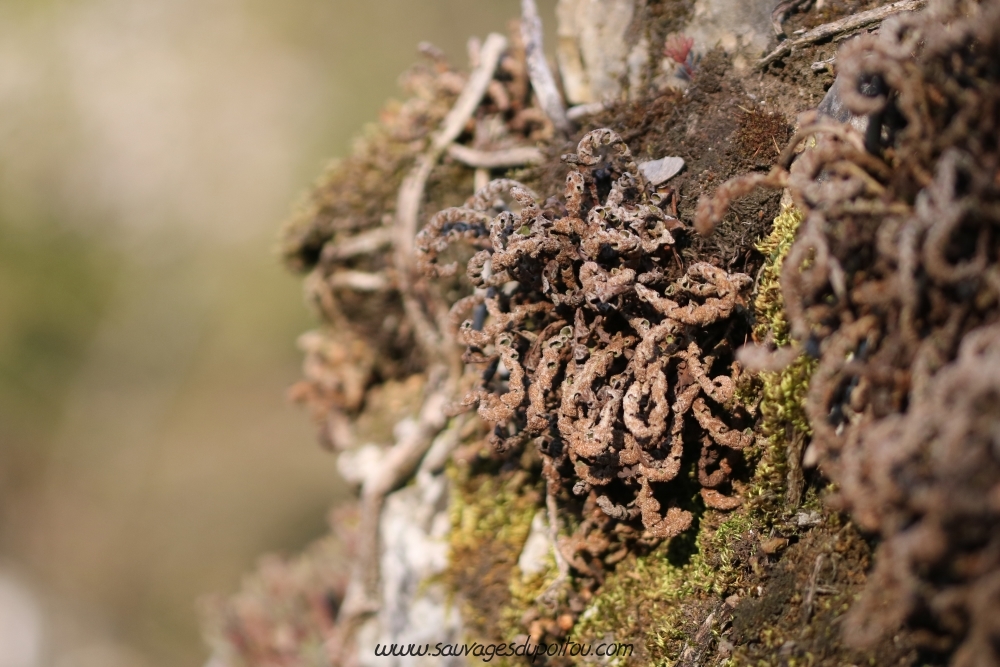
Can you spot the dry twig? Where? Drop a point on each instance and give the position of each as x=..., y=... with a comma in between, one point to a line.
x=538, y=68
x=807, y=604
x=360, y=281
x=364, y=243
x=501, y=159
x=411, y=193
x=846, y=24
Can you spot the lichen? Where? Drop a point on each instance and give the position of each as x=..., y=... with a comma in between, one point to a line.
x=662, y=599
x=685, y=580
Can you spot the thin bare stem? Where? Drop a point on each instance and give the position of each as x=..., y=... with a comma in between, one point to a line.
x=501, y=159
x=538, y=67
x=846, y=24
x=411, y=192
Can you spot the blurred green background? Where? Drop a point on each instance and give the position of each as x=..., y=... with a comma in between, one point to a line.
x=148, y=151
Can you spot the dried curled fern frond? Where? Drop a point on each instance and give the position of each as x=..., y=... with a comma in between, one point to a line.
x=893, y=283
x=595, y=343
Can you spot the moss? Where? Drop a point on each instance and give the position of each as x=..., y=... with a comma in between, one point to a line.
x=659, y=603
x=760, y=136
x=769, y=305
x=783, y=624
x=524, y=593
x=783, y=393
x=491, y=514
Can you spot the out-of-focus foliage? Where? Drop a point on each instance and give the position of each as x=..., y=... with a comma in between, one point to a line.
x=54, y=287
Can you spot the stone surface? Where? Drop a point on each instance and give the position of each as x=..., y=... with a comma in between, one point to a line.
x=537, y=555
x=592, y=51
x=662, y=170
x=741, y=27
x=356, y=465
x=597, y=61
x=833, y=106
x=414, y=548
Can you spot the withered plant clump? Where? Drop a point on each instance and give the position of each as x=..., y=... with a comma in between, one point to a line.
x=893, y=282
x=760, y=136
x=596, y=342
x=346, y=234
x=284, y=614
x=342, y=236
x=929, y=481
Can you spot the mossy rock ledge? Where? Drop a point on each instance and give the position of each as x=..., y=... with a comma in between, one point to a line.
x=686, y=350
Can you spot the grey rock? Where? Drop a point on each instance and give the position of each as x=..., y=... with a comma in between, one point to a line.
x=592, y=49
x=414, y=609
x=356, y=465
x=662, y=170
x=832, y=106
x=599, y=59
x=804, y=519
x=536, y=556
x=741, y=27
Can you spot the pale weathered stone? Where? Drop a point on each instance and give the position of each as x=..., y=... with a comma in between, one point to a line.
x=414, y=549
x=598, y=61
x=593, y=52
x=662, y=170
x=741, y=27
x=537, y=553
x=638, y=68
x=356, y=465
